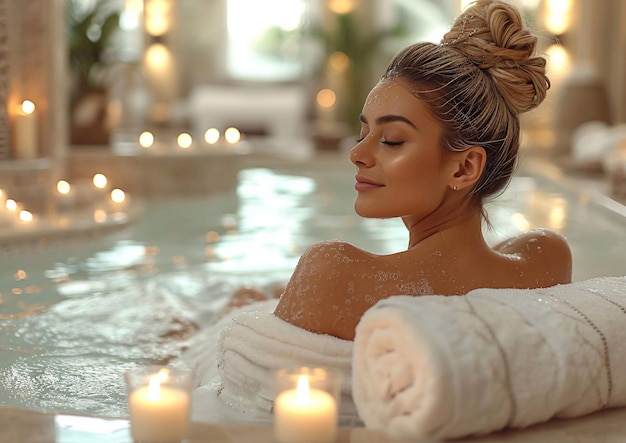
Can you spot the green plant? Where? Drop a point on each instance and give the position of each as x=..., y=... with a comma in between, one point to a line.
x=362, y=46
x=90, y=26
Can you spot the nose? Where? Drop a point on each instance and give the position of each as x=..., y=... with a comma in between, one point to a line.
x=359, y=155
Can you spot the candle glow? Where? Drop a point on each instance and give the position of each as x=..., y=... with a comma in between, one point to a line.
x=63, y=187
x=184, y=140
x=26, y=131
x=305, y=414
x=100, y=181
x=232, y=135
x=211, y=136
x=11, y=205
x=28, y=107
x=159, y=406
x=326, y=98
x=26, y=216
x=118, y=196
x=146, y=139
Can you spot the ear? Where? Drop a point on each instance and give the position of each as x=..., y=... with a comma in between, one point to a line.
x=470, y=166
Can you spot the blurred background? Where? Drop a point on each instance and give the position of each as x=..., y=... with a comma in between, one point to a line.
x=117, y=86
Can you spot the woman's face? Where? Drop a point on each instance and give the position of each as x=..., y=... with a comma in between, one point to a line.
x=401, y=169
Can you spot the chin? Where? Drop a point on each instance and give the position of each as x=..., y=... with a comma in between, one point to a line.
x=367, y=213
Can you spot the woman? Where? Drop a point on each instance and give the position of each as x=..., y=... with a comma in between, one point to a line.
x=439, y=136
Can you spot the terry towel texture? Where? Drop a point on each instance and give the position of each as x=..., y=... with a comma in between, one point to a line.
x=250, y=346
x=448, y=367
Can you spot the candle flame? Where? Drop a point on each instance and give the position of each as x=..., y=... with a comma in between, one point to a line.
x=212, y=135
x=26, y=216
x=100, y=181
x=232, y=135
x=63, y=187
x=146, y=139
x=154, y=388
x=184, y=140
x=11, y=204
x=118, y=196
x=303, y=388
x=28, y=107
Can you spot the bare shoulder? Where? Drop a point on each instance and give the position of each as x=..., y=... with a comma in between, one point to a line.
x=316, y=297
x=334, y=251
x=544, y=250
x=535, y=241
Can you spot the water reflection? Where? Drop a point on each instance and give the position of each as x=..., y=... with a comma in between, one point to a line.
x=72, y=326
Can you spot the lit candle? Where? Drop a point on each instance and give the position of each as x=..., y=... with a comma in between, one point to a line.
x=305, y=415
x=118, y=199
x=6, y=214
x=100, y=184
x=65, y=196
x=26, y=131
x=26, y=216
x=184, y=140
x=146, y=139
x=159, y=412
x=232, y=135
x=212, y=136
x=326, y=100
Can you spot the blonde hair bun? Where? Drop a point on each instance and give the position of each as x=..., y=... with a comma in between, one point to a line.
x=493, y=36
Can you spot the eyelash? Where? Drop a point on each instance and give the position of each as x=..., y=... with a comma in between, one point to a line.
x=384, y=142
x=389, y=143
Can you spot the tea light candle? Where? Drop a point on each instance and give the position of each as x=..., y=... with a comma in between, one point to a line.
x=26, y=131
x=305, y=415
x=118, y=200
x=65, y=196
x=158, y=412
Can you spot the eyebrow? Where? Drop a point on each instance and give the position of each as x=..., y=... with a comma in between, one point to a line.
x=389, y=119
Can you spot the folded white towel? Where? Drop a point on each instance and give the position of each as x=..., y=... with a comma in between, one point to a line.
x=235, y=361
x=448, y=367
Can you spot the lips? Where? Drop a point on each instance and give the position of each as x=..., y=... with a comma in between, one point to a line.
x=365, y=184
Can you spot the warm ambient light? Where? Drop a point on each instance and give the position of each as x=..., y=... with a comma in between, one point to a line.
x=211, y=136
x=63, y=187
x=118, y=196
x=339, y=61
x=28, y=107
x=11, y=204
x=557, y=16
x=184, y=140
x=146, y=139
x=26, y=216
x=326, y=98
x=100, y=181
x=558, y=60
x=157, y=13
x=99, y=216
x=232, y=135
x=341, y=6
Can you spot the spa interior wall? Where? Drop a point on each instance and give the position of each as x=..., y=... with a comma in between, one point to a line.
x=177, y=64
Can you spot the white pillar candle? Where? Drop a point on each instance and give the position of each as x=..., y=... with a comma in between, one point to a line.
x=159, y=413
x=26, y=131
x=305, y=415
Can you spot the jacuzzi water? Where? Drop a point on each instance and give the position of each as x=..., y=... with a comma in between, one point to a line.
x=75, y=315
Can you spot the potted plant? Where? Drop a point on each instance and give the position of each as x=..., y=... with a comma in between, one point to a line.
x=91, y=27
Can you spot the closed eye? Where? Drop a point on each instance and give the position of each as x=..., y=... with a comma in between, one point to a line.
x=390, y=143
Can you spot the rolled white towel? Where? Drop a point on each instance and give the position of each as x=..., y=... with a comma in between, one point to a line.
x=447, y=367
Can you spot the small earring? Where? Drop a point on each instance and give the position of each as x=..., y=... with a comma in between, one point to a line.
x=454, y=188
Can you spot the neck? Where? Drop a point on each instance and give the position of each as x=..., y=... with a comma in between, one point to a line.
x=463, y=224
